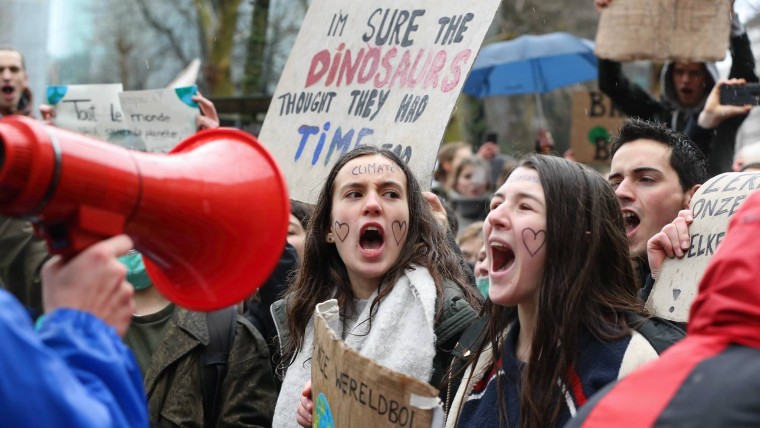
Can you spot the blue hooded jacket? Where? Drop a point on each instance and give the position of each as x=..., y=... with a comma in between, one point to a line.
x=75, y=372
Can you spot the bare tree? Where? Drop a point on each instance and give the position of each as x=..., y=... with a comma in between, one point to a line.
x=119, y=54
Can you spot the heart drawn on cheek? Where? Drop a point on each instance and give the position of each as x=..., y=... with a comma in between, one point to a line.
x=399, y=230
x=533, y=240
x=341, y=230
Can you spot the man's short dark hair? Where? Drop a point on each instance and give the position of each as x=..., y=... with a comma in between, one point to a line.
x=685, y=157
x=12, y=49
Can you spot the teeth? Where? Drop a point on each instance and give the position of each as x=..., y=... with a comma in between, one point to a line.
x=372, y=228
x=627, y=215
x=498, y=244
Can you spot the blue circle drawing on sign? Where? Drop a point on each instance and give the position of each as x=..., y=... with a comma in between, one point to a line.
x=322, y=415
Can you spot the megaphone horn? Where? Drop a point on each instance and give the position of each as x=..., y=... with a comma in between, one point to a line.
x=210, y=217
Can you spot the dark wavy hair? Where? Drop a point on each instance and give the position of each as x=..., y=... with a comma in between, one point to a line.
x=322, y=274
x=685, y=157
x=588, y=282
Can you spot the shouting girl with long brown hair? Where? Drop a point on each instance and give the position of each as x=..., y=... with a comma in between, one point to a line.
x=374, y=245
x=563, y=310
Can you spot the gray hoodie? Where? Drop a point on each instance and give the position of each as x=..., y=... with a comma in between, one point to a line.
x=681, y=114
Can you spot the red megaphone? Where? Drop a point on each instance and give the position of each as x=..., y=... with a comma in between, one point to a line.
x=210, y=217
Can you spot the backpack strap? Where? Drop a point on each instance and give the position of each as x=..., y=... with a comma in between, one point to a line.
x=659, y=332
x=222, y=325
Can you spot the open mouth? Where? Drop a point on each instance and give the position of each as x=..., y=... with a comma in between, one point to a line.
x=371, y=238
x=503, y=257
x=631, y=221
x=8, y=90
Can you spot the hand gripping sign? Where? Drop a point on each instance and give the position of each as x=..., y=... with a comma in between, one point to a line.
x=712, y=206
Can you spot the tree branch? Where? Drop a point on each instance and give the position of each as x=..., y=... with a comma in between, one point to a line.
x=174, y=43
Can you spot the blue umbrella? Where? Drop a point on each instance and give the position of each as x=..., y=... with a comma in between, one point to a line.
x=531, y=65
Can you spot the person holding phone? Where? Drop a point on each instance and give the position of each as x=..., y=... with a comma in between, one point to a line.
x=702, y=130
x=685, y=88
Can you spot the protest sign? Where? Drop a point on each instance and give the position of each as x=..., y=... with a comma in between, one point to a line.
x=161, y=118
x=350, y=390
x=676, y=30
x=92, y=110
x=712, y=206
x=385, y=74
x=595, y=119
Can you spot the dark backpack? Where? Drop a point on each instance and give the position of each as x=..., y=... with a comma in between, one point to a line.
x=222, y=325
x=659, y=332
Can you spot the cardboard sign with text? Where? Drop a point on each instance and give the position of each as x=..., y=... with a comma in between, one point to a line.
x=386, y=73
x=350, y=390
x=161, y=118
x=682, y=30
x=595, y=119
x=92, y=110
x=712, y=206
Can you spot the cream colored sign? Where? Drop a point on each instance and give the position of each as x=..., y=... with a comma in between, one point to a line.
x=350, y=390
x=92, y=110
x=712, y=205
x=161, y=118
x=385, y=73
x=685, y=30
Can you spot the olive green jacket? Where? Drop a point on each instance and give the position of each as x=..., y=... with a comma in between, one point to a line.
x=21, y=258
x=173, y=381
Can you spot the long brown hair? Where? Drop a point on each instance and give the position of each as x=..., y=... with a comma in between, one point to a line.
x=322, y=274
x=588, y=282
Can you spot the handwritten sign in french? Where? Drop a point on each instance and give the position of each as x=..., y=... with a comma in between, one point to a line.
x=92, y=110
x=713, y=205
x=152, y=120
x=350, y=390
x=386, y=74
x=161, y=118
x=676, y=30
x=595, y=119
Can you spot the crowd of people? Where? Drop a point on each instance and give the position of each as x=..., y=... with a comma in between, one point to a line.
x=516, y=287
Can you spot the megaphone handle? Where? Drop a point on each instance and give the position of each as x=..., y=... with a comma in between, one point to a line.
x=68, y=237
x=64, y=240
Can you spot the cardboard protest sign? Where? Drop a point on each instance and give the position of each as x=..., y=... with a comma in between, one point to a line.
x=92, y=110
x=712, y=205
x=683, y=30
x=595, y=119
x=350, y=390
x=161, y=118
x=385, y=74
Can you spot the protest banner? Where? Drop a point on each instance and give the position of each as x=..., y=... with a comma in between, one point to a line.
x=161, y=118
x=350, y=390
x=713, y=205
x=92, y=110
x=595, y=119
x=676, y=30
x=385, y=75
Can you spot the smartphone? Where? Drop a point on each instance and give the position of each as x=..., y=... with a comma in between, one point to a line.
x=740, y=95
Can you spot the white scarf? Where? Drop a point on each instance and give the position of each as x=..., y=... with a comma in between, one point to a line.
x=402, y=338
